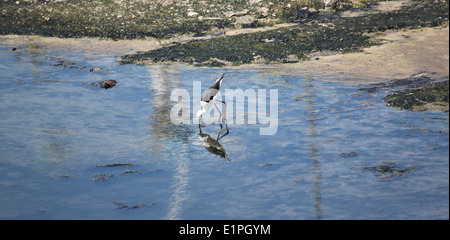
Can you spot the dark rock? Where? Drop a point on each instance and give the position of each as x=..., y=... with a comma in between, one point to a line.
x=105, y=84
x=108, y=84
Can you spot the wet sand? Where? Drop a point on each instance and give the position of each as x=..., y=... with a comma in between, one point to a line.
x=107, y=47
x=402, y=54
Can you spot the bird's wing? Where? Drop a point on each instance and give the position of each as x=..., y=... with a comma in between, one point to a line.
x=209, y=94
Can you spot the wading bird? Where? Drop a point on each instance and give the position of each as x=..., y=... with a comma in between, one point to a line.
x=209, y=99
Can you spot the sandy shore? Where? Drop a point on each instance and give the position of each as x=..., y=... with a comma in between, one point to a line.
x=105, y=47
x=404, y=53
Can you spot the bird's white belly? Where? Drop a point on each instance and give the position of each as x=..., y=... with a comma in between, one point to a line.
x=207, y=105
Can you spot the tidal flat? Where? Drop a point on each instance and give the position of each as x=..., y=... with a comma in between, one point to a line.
x=328, y=33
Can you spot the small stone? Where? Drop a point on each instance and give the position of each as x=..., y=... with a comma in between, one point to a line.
x=192, y=14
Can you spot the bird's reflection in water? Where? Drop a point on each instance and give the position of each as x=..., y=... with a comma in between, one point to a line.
x=212, y=144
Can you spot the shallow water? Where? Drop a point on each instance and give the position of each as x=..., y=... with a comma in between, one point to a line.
x=56, y=133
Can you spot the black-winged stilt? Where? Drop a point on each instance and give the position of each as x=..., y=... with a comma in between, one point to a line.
x=209, y=99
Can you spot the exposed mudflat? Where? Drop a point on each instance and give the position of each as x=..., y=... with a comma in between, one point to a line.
x=319, y=34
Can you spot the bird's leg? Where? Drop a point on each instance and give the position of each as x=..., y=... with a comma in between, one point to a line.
x=220, y=116
x=218, y=135
x=225, y=113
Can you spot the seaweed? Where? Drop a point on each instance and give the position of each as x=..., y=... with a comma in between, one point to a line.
x=320, y=34
x=350, y=154
x=434, y=96
x=106, y=19
x=116, y=165
x=101, y=177
x=389, y=170
x=125, y=206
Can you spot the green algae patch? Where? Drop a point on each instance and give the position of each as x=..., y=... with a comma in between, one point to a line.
x=116, y=19
x=128, y=19
x=292, y=44
x=433, y=96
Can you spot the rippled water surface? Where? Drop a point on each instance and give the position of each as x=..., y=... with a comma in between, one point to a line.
x=70, y=150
